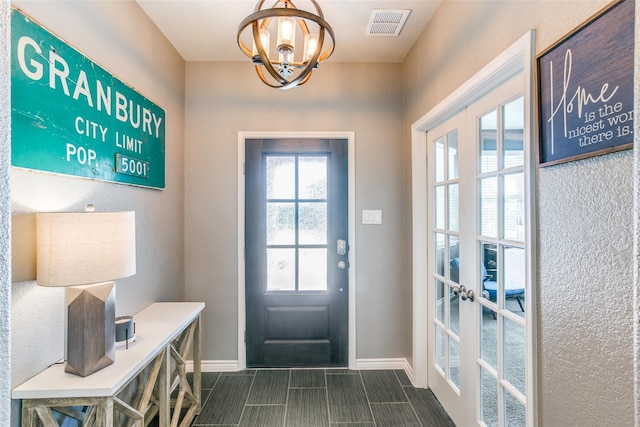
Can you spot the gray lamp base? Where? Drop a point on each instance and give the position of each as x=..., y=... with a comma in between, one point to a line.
x=90, y=328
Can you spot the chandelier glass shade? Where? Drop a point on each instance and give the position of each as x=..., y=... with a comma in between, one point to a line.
x=286, y=66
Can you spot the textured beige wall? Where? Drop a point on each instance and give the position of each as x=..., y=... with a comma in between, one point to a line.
x=225, y=98
x=584, y=217
x=120, y=37
x=636, y=217
x=5, y=217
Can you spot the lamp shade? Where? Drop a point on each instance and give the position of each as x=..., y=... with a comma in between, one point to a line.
x=85, y=247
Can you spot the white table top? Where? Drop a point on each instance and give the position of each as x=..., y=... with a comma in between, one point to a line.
x=156, y=326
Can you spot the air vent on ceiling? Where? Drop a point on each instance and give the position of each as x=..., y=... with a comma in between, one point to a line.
x=387, y=22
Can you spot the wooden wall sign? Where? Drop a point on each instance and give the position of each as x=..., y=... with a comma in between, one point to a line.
x=71, y=116
x=585, y=88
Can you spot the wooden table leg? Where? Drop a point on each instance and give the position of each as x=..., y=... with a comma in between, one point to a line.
x=163, y=390
x=28, y=415
x=197, y=365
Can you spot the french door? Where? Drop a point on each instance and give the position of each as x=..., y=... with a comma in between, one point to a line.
x=477, y=251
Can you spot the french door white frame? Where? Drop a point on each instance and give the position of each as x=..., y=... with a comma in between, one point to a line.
x=351, y=141
x=518, y=58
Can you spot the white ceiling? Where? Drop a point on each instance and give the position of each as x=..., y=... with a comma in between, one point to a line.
x=206, y=30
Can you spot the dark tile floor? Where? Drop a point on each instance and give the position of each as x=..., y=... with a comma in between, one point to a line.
x=317, y=397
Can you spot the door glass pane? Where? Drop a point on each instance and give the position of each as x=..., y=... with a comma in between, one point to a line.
x=440, y=350
x=454, y=261
x=312, y=177
x=454, y=312
x=440, y=207
x=489, y=398
x=452, y=149
x=440, y=301
x=489, y=337
x=489, y=271
x=453, y=207
x=489, y=142
x=281, y=177
x=454, y=362
x=513, y=207
x=515, y=413
x=313, y=270
x=514, y=368
x=439, y=159
x=513, y=129
x=312, y=222
x=439, y=252
x=514, y=279
x=281, y=223
x=489, y=207
x=281, y=269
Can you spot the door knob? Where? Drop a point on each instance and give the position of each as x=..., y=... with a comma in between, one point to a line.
x=342, y=265
x=464, y=293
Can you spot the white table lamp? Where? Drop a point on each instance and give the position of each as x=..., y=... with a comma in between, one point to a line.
x=87, y=251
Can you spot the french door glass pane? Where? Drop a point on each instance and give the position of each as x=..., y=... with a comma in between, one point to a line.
x=454, y=261
x=513, y=130
x=489, y=142
x=312, y=223
x=454, y=362
x=312, y=177
x=514, y=367
x=440, y=348
x=514, y=279
x=312, y=269
x=440, y=300
x=281, y=223
x=281, y=177
x=452, y=149
x=281, y=269
x=440, y=207
x=489, y=398
x=439, y=160
x=489, y=271
x=489, y=207
x=439, y=252
x=489, y=337
x=513, y=206
x=454, y=312
x=453, y=207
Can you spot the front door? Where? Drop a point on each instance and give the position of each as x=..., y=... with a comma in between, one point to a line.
x=477, y=267
x=296, y=252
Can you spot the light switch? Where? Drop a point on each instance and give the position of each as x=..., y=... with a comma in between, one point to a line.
x=371, y=216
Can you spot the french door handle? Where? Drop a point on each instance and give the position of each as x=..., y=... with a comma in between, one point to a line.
x=464, y=293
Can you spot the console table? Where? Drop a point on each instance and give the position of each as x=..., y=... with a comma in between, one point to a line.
x=165, y=334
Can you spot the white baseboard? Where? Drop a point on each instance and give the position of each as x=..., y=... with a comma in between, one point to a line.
x=216, y=366
x=361, y=364
x=393, y=364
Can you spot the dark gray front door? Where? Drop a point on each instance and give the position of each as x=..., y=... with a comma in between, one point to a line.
x=296, y=252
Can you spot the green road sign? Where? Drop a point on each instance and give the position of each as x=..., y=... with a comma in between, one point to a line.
x=71, y=116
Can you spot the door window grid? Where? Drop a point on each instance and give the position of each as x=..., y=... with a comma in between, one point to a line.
x=296, y=190
x=501, y=243
x=446, y=240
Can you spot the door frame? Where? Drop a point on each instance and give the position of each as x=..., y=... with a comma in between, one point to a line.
x=518, y=58
x=351, y=141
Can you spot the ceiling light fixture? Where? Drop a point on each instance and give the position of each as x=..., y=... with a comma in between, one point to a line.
x=286, y=66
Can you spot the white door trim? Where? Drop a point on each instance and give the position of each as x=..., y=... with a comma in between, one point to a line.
x=518, y=58
x=351, y=138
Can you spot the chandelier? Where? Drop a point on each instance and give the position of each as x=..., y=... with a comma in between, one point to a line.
x=286, y=66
